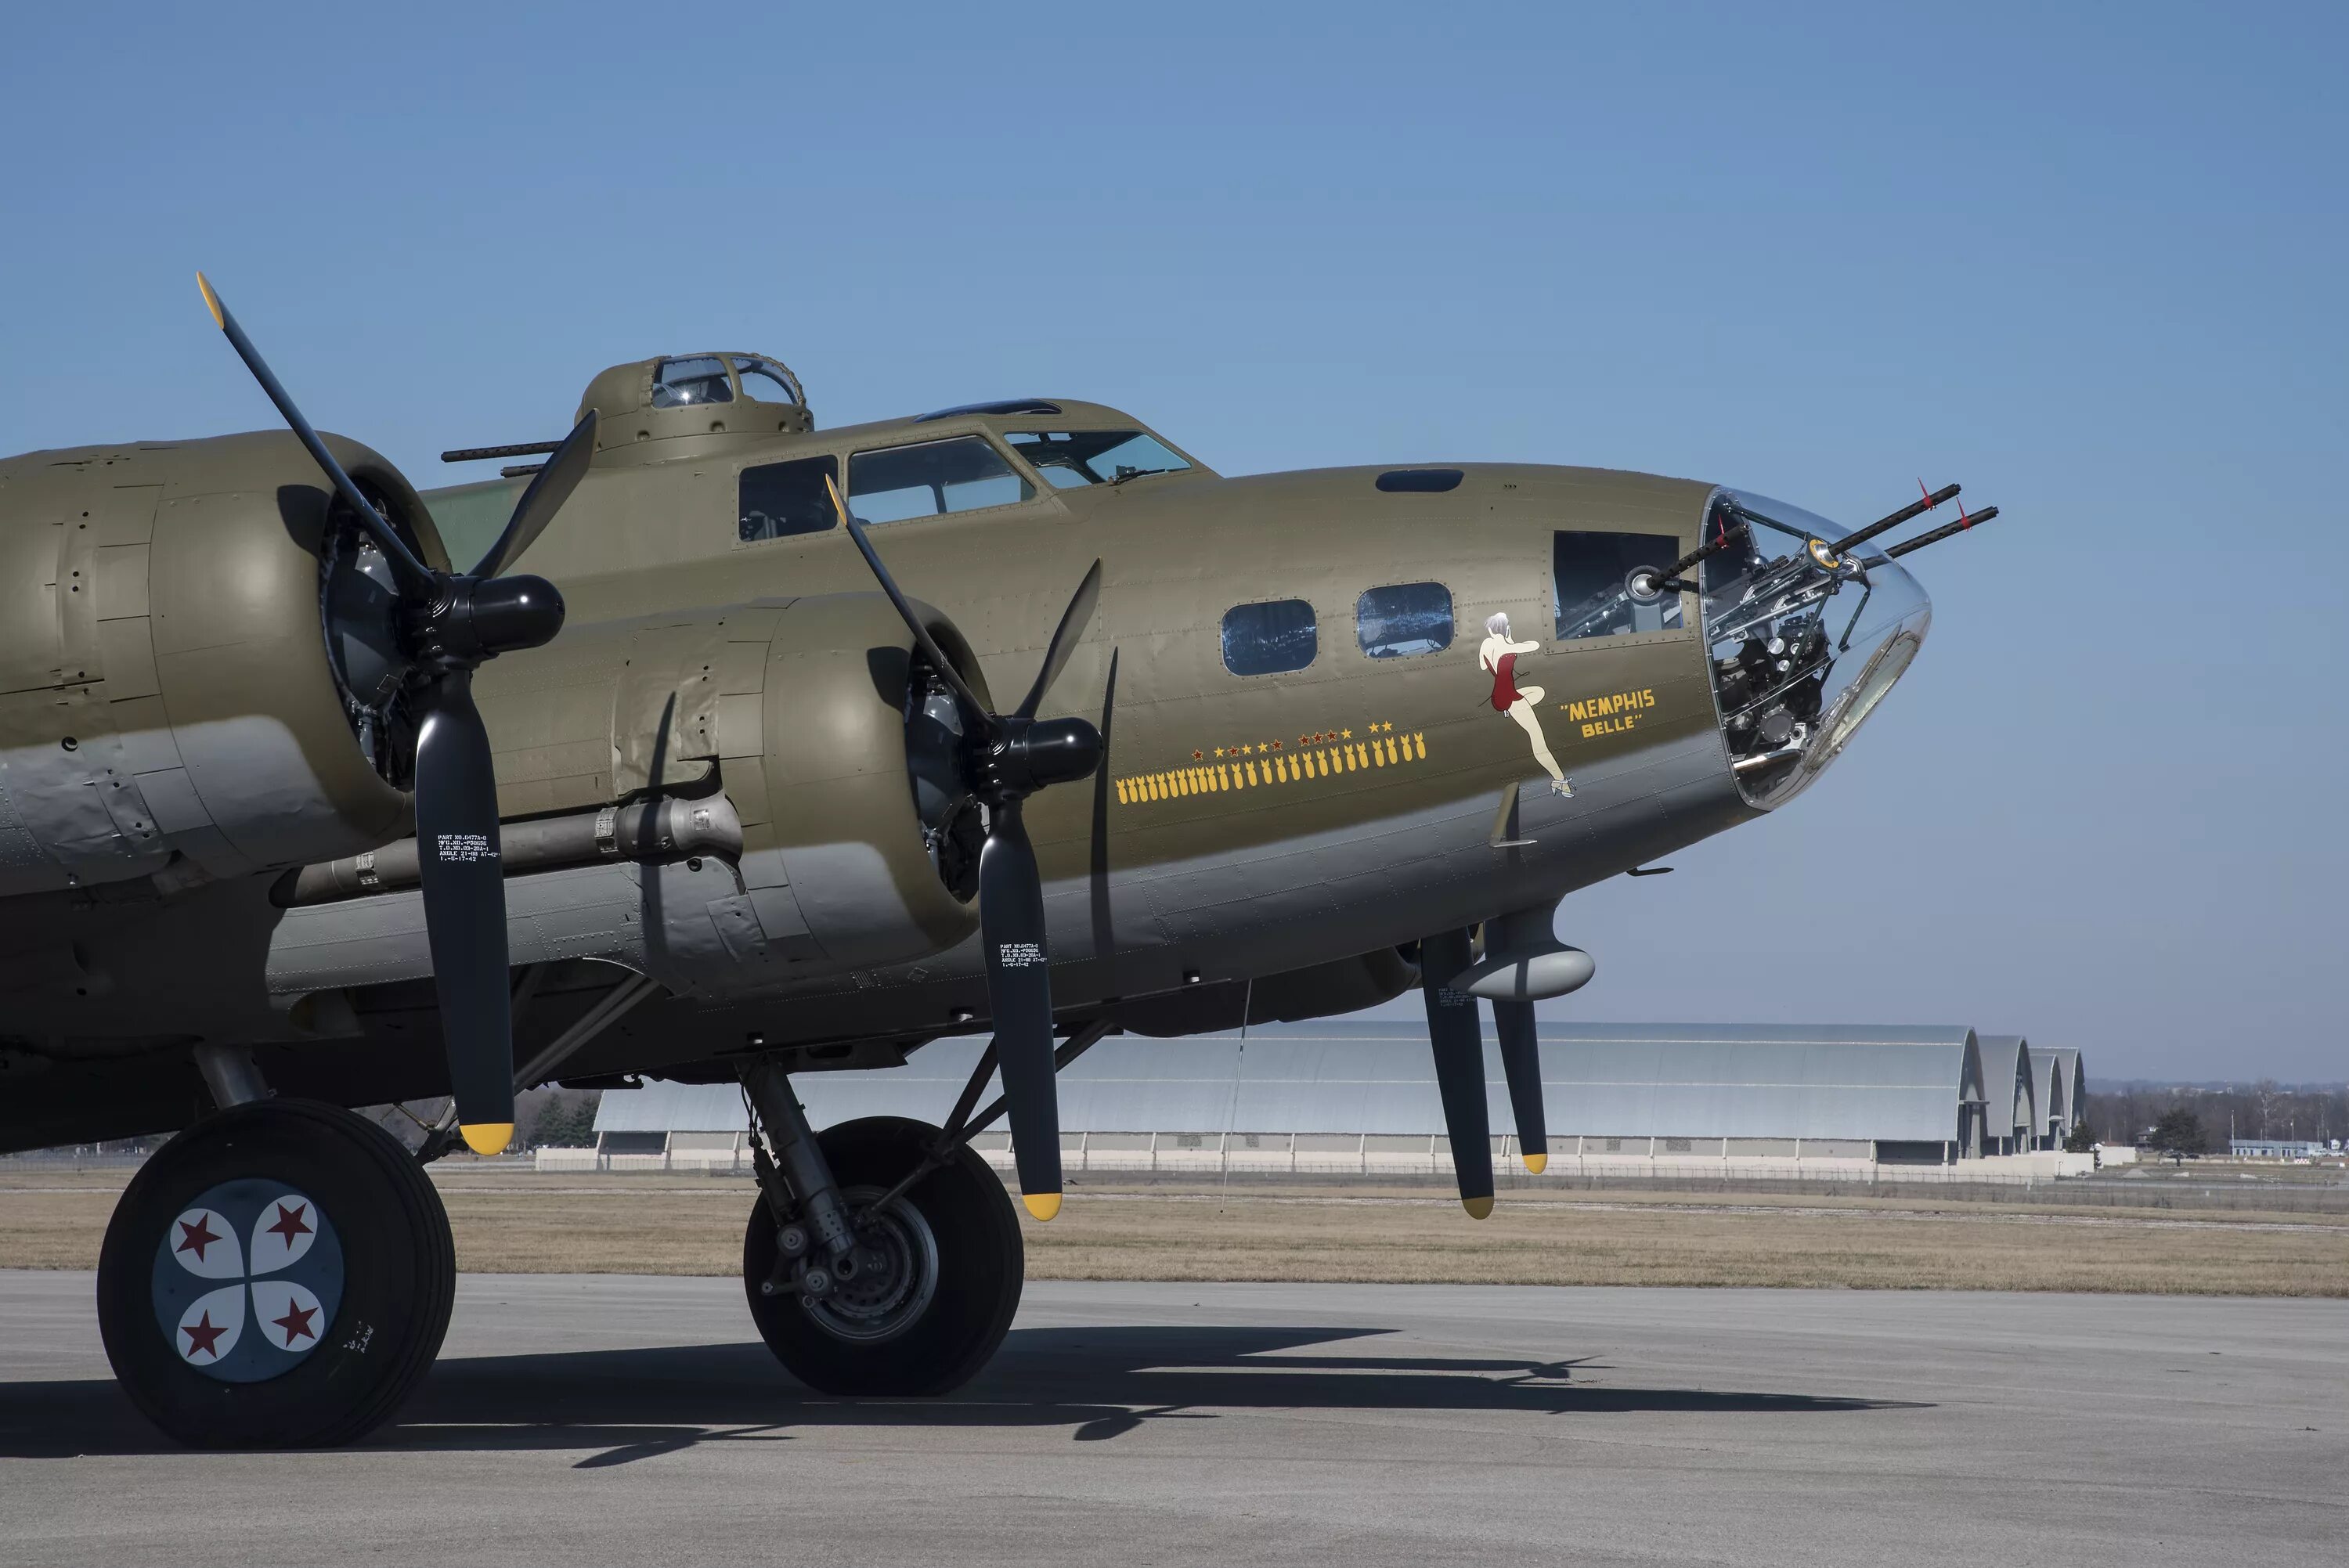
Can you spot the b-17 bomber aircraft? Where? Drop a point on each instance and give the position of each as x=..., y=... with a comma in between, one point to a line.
x=794, y=750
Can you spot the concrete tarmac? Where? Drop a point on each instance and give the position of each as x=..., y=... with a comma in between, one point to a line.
x=610, y=1420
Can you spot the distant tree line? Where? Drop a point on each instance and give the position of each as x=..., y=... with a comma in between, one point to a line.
x=563, y=1118
x=2192, y=1118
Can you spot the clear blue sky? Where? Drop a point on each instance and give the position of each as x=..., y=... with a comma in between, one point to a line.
x=2088, y=261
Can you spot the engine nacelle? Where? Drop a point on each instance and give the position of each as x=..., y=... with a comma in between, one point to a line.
x=816, y=718
x=168, y=705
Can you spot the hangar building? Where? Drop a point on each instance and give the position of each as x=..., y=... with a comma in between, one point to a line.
x=1359, y=1096
x=2061, y=1095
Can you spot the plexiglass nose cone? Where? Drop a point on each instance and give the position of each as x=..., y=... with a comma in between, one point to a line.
x=1804, y=644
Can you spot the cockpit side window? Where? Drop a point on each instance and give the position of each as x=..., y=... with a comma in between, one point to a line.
x=689, y=383
x=783, y=499
x=1071, y=459
x=1591, y=572
x=931, y=479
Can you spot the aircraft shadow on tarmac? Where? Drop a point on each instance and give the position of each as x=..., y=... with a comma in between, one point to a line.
x=1100, y=1382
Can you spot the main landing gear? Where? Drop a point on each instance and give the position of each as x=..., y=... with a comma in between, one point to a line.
x=881, y=1259
x=279, y=1274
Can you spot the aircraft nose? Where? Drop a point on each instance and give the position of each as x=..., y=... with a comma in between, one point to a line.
x=1804, y=646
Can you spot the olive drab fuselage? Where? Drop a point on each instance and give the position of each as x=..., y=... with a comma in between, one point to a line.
x=1293, y=788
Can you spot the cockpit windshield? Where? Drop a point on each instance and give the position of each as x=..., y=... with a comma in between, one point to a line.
x=1805, y=643
x=1071, y=459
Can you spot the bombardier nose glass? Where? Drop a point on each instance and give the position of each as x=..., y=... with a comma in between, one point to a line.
x=1804, y=642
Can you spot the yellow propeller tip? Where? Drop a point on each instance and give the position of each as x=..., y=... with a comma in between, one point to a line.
x=1477, y=1207
x=488, y=1137
x=1043, y=1205
x=1536, y=1164
x=211, y=302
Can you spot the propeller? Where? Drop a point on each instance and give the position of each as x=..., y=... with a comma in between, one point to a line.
x=1458, y=1039
x=449, y=625
x=1006, y=757
x=1513, y=1025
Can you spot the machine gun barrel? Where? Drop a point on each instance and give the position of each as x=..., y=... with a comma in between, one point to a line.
x=1914, y=509
x=1707, y=551
x=1944, y=531
x=520, y=450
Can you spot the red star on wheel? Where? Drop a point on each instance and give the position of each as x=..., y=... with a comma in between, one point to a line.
x=202, y=1334
x=195, y=1238
x=296, y=1321
x=289, y=1223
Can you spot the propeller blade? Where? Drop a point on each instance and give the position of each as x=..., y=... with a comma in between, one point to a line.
x=1065, y=638
x=403, y=558
x=1020, y=995
x=465, y=905
x=549, y=489
x=1458, y=1038
x=1513, y=1023
x=973, y=709
x=1097, y=863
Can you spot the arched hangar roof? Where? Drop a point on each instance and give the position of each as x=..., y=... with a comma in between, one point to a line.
x=2009, y=1096
x=2046, y=1088
x=2075, y=1085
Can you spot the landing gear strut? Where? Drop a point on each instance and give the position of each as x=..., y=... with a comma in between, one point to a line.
x=279, y=1274
x=860, y=1287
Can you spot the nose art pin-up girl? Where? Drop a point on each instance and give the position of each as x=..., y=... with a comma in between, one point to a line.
x=1499, y=658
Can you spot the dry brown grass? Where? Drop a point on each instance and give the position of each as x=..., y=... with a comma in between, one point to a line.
x=651, y=1224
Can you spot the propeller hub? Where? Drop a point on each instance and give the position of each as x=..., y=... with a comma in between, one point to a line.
x=472, y=619
x=1033, y=753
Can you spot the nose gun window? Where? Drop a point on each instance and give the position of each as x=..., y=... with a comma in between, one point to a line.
x=1805, y=643
x=932, y=479
x=689, y=383
x=764, y=381
x=1270, y=638
x=1071, y=459
x=1591, y=572
x=783, y=499
x=1406, y=619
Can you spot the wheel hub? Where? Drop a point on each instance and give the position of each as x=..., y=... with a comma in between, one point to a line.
x=247, y=1280
x=892, y=1272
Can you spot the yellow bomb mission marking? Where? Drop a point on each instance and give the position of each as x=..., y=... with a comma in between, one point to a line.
x=1383, y=750
x=1611, y=714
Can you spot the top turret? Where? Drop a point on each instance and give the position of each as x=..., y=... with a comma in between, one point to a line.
x=687, y=405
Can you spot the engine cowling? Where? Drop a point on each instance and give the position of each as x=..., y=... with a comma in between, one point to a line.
x=819, y=721
x=169, y=706
x=844, y=861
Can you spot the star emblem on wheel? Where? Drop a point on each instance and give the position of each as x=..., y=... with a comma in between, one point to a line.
x=296, y=1323
x=203, y=1336
x=196, y=1237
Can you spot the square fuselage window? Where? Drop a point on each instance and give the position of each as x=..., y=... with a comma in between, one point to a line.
x=1269, y=639
x=1590, y=572
x=1407, y=618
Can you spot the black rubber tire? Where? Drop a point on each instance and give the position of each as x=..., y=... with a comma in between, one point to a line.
x=981, y=1266
x=400, y=1279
